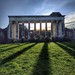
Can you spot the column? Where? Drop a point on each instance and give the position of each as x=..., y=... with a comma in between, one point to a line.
x=17, y=37
x=63, y=28
x=59, y=29
x=46, y=29
x=23, y=30
x=51, y=30
x=28, y=30
x=60, y=33
x=34, y=29
x=40, y=29
x=10, y=29
x=18, y=31
x=56, y=28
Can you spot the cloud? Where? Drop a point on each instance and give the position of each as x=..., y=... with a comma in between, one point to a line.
x=70, y=18
x=41, y=7
x=68, y=7
x=48, y=6
x=35, y=7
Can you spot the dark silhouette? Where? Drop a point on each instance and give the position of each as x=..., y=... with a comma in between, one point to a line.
x=70, y=51
x=72, y=45
x=3, y=35
x=13, y=56
x=42, y=67
x=11, y=48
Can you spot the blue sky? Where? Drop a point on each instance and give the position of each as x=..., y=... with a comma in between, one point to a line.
x=35, y=7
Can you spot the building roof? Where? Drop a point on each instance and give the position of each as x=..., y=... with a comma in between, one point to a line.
x=56, y=14
x=53, y=14
x=28, y=16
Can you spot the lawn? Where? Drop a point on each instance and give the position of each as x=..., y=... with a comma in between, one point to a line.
x=37, y=58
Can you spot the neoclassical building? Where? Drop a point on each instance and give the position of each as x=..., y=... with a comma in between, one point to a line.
x=17, y=29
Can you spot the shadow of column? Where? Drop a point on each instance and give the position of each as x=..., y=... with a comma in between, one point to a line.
x=43, y=63
x=70, y=44
x=4, y=46
x=13, y=56
x=68, y=50
x=10, y=48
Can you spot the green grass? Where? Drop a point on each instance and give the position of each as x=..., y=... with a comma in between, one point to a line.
x=37, y=58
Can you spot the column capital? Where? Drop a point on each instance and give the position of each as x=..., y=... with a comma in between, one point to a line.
x=56, y=21
x=28, y=21
x=51, y=21
x=46, y=21
x=40, y=21
x=34, y=21
x=22, y=22
x=10, y=22
x=61, y=20
x=16, y=22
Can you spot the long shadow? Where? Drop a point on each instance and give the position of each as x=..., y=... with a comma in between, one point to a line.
x=43, y=63
x=11, y=48
x=70, y=44
x=4, y=46
x=13, y=56
x=68, y=50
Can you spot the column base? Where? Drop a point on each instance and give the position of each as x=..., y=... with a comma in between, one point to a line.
x=17, y=38
x=35, y=38
x=35, y=35
x=46, y=34
x=40, y=37
x=29, y=37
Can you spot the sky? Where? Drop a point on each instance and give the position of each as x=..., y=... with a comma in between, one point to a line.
x=35, y=7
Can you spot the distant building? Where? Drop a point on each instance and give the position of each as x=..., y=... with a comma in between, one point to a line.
x=16, y=28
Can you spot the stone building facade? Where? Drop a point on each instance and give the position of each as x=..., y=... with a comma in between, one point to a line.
x=16, y=28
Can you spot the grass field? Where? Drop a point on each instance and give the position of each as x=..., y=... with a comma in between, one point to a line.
x=37, y=59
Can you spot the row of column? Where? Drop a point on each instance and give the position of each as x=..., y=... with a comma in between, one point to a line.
x=35, y=29
x=57, y=31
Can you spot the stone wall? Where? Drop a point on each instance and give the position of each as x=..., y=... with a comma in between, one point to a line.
x=70, y=34
x=3, y=35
